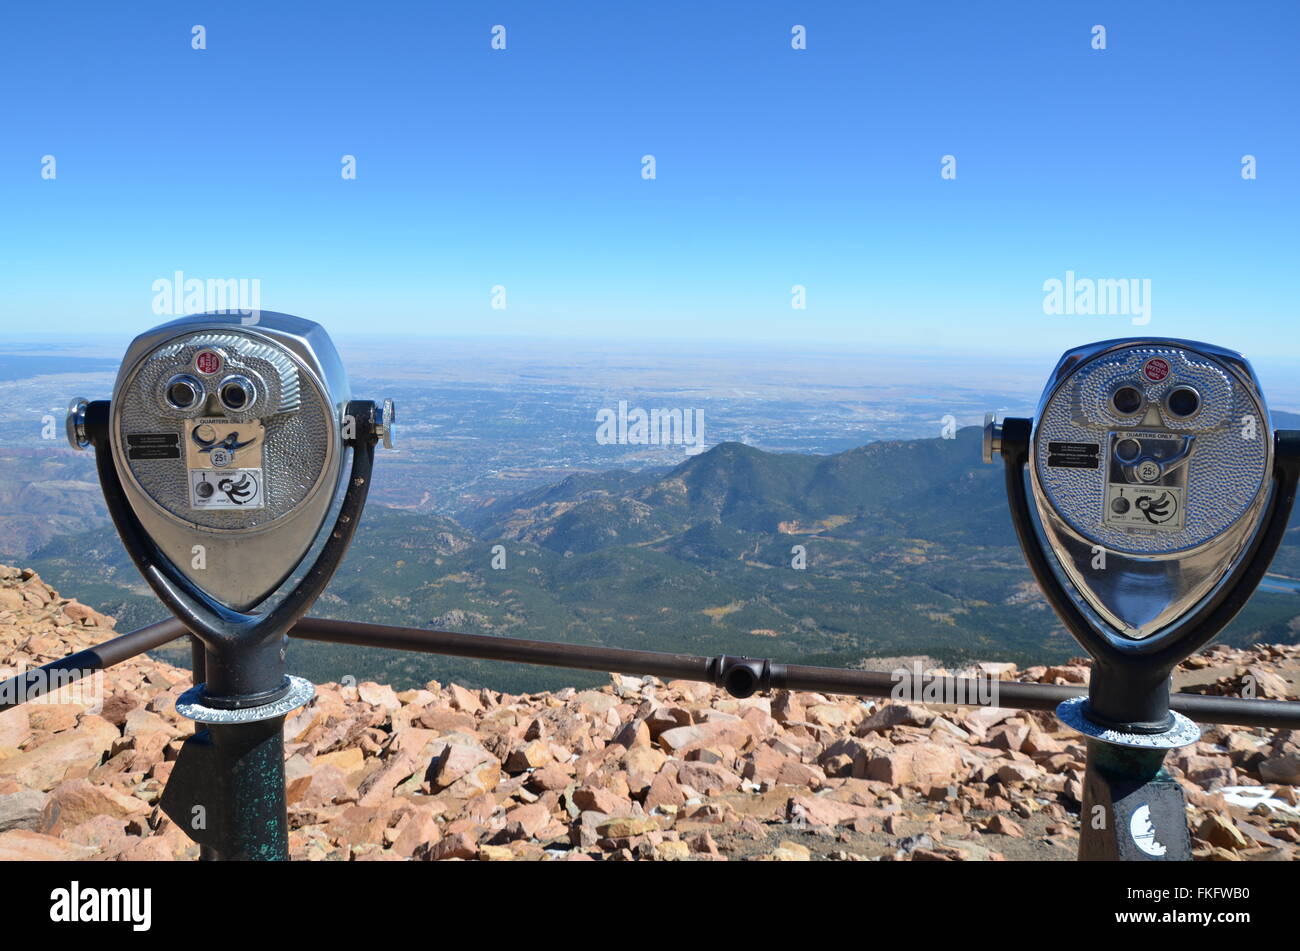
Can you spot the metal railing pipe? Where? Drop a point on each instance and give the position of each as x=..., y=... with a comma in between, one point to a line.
x=66, y=670
x=544, y=653
x=1235, y=711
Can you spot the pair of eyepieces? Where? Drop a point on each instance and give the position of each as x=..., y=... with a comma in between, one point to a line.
x=1181, y=402
x=185, y=391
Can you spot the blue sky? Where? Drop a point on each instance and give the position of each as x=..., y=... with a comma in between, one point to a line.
x=775, y=167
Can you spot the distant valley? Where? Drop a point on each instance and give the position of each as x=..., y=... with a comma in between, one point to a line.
x=907, y=549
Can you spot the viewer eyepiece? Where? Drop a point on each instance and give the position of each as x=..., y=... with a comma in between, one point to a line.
x=1127, y=400
x=184, y=392
x=1183, y=402
x=237, y=393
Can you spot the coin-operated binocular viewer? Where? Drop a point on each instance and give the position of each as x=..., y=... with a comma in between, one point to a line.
x=1160, y=495
x=221, y=456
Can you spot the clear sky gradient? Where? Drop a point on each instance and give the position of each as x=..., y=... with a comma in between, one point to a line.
x=775, y=167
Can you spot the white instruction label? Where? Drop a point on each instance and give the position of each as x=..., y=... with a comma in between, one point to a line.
x=226, y=489
x=1137, y=506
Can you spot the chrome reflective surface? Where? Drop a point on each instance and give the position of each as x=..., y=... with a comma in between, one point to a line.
x=190, y=704
x=1182, y=733
x=238, y=501
x=1148, y=511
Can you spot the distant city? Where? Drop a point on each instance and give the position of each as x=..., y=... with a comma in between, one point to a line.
x=483, y=418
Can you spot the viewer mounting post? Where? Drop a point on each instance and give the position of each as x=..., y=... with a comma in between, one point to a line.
x=220, y=455
x=1160, y=495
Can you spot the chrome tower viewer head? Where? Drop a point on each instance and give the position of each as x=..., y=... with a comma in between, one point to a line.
x=1157, y=493
x=221, y=454
x=228, y=439
x=1150, y=467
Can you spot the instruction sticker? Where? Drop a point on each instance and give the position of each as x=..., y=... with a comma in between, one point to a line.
x=224, y=462
x=226, y=489
x=1133, y=506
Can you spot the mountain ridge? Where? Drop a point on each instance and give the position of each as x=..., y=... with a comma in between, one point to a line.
x=892, y=548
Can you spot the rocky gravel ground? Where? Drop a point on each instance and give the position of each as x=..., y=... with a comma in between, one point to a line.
x=639, y=770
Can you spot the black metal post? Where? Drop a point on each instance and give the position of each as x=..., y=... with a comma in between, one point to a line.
x=198, y=666
x=227, y=791
x=1133, y=810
